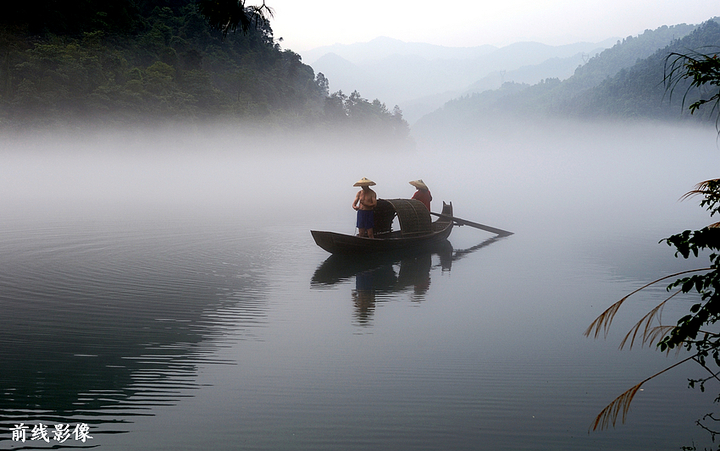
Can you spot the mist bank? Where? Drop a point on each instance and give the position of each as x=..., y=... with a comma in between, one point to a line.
x=221, y=166
x=203, y=170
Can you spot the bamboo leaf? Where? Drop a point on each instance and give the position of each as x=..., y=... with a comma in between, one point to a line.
x=603, y=322
x=609, y=415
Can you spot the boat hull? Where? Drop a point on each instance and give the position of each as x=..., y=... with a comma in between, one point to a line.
x=338, y=243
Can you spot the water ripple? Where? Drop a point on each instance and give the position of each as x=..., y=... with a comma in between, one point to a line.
x=106, y=321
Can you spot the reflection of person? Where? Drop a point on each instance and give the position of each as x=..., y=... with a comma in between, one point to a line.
x=415, y=271
x=423, y=193
x=364, y=296
x=365, y=201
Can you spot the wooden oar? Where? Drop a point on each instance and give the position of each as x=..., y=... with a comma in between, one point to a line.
x=461, y=221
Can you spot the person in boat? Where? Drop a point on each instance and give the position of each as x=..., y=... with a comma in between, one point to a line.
x=423, y=193
x=365, y=202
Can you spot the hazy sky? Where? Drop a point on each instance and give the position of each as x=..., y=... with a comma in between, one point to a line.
x=313, y=23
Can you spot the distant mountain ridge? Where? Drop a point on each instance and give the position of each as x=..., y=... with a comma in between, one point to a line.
x=623, y=82
x=382, y=47
x=421, y=77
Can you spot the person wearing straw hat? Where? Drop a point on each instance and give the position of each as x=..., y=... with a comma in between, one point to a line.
x=423, y=193
x=365, y=202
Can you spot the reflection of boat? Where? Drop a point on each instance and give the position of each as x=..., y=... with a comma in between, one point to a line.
x=417, y=230
x=339, y=268
x=379, y=275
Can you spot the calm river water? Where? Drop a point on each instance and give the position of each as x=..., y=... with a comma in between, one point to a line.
x=164, y=290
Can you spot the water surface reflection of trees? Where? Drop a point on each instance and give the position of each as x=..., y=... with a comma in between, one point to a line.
x=102, y=326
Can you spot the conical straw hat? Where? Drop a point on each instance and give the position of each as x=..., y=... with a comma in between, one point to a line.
x=419, y=184
x=364, y=182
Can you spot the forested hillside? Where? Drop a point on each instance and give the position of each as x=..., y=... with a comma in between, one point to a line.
x=625, y=81
x=639, y=91
x=119, y=61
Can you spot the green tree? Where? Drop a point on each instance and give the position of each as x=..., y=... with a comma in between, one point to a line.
x=696, y=331
x=167, y=60
x=227, y=15
x=702, y=71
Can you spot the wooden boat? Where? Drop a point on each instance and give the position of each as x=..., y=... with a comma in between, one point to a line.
x=417, y=230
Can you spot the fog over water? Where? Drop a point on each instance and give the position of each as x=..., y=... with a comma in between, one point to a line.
x=531, y=171
x=186, y=252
